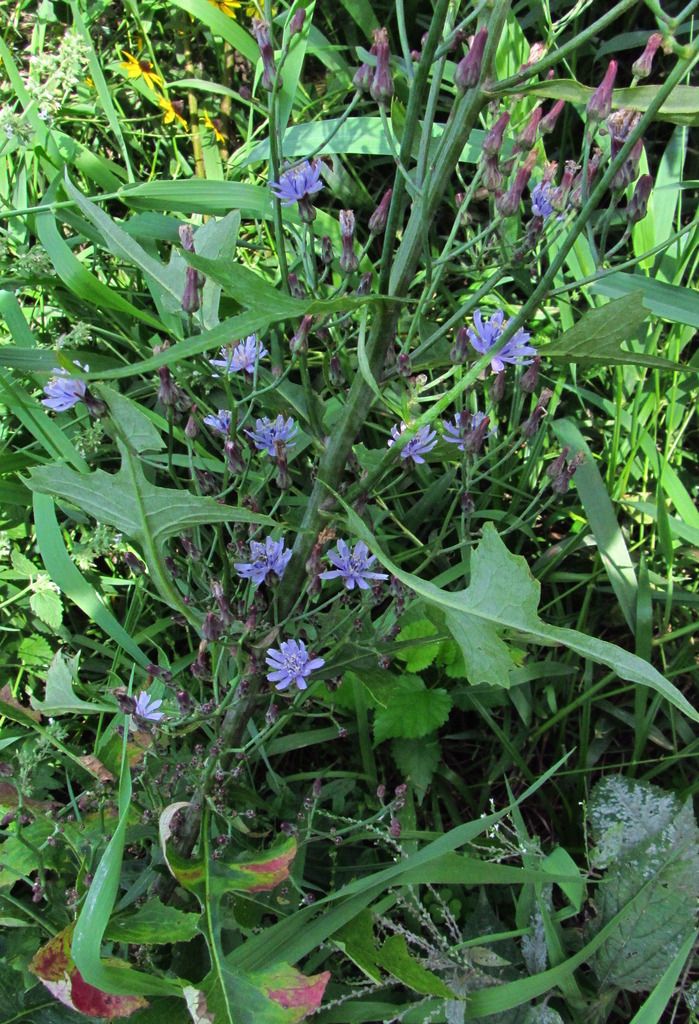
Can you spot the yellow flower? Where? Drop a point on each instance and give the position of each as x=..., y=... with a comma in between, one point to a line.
x=255, y=9
x=218, y=134
x=141, y=69
x=228, y=7
x=171, y=112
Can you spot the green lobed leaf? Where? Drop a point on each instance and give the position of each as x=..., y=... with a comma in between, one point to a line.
x=72, y=583
x=144, y=512
x=503, y=595
x=597, y=336
x=131, y=421
x=413, y=711
x=60, y=698
x=669, y=301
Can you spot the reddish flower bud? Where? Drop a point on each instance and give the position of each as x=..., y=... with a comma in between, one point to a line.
x=508, y=203
x=492, y=176
x=548, y=122
x=381, y=88
x=260, y=30
x=299, y=342
x=644, y=65
x=297, y=20
x=638, y=204
x=527, y=137
x=530, y=377
x=468, y=70
x=186, y=237
x=600, y=104
x=378, y=219
x=494, y=136
x=191, y=300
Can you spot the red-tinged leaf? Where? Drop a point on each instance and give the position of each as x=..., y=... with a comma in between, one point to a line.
x=12, y=708
x=54, y=966
x=259, y=875
x=297, y=993
x=267, y=872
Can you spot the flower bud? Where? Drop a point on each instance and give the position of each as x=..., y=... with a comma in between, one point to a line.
x=644, y=65
x=600, y=103
x=134, y=563
x=363, y=75
x=299, y=342
x=530, y=377
x=559, y=196
x=527, y=137
x=186, y=237
x=629, y=169
x=460, y=349
x=508, y=203
x=326, y=250
x=497, y=390
x=260, y=30
x=234, y=456
x=191, y=428
x=638, y=204
x=378, y=219
x=494, y=136
x=296, y=289
x=335, y=374
x=492, y=175
x=297, y=20
x=364, y=286
x=348, y=259
x=212, y=627
x=548, y=121
x=381, y=88
x=191, y=300
x=468, y=70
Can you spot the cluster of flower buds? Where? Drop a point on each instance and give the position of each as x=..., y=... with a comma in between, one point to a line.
x=562, y=470
x=377, y=80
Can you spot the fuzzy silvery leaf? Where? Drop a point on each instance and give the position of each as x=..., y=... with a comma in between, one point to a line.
x=651, y=842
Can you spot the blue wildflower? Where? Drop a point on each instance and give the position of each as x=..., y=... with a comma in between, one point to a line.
x=220, y=421
x=291, y=664
x=269, y=556
x=541, y=200
x=243, y=357
x=485, y=335
x=352, y=566
x=268, y=433
x=468, y=431
x=147, y=708
x=63, y=391
x=297, y=184
x=423, y=442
